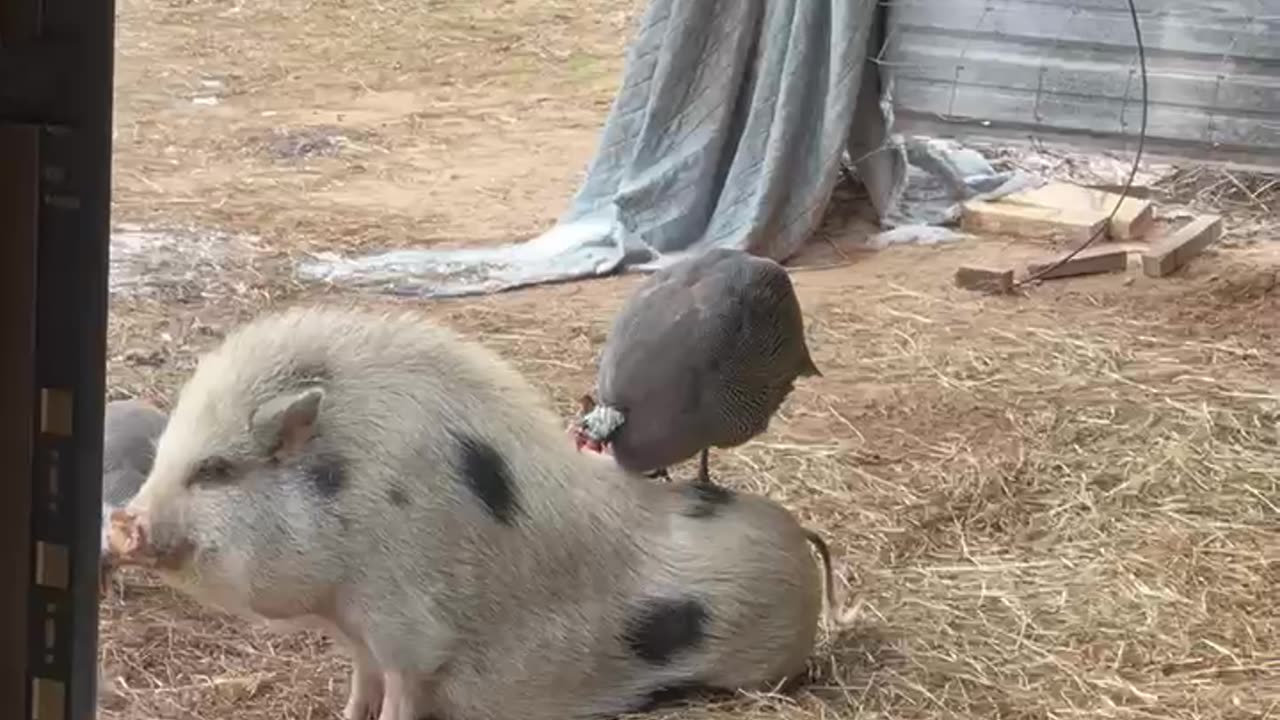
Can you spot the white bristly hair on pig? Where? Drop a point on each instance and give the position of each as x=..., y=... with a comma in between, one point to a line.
x=376, y=476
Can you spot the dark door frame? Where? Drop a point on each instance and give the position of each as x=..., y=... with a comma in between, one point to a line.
x=56, y=64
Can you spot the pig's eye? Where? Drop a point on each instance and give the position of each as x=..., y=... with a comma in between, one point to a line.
x=212, y=470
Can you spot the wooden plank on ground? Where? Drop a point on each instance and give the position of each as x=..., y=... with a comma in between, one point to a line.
x=1135, y=217
x=1176, y=249
x=1090, y=261
x=1071, y=226
x=1142, y=192
x=994, y=280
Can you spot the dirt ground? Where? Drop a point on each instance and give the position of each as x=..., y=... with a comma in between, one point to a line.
x=1062, y=504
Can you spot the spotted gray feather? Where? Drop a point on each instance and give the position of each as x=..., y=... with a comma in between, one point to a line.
x=701, y=355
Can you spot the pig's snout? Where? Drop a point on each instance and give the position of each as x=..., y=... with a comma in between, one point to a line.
x=127, y=539
x=134, y=539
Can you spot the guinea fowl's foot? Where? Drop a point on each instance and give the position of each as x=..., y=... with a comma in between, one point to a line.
x=704, y=474
x=660, y=473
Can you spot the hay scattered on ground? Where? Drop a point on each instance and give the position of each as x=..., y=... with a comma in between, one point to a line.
x=1059, y=506
x=1250, y=201
x=1224, y=189
x=1063, y=505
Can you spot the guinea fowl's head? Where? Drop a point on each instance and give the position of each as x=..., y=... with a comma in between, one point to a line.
x=594, y=425
x=578, y=429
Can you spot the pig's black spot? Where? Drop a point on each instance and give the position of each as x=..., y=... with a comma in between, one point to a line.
x=674, y=693
x=397, y=496
x=213, y=470
x=486, y=473
x=327, y=474
x=704, y=500
x=663, y=628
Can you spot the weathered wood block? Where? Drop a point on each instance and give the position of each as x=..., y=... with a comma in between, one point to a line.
x=1071, y=225
x=985, y=279
x=1142, y=192
x=1091, y=261
x=1134, y=218
x=1176, y=249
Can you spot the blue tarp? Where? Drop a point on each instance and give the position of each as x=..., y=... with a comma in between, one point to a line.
x=729, y=130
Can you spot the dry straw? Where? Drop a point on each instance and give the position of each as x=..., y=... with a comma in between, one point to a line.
x=1066, y=505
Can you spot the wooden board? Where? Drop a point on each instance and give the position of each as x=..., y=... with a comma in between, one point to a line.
x=1071, y=226
x=1176, y=249
x=1133, y=219
x=1091, y=261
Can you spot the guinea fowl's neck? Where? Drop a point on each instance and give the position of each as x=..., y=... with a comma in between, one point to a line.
x=601, y=422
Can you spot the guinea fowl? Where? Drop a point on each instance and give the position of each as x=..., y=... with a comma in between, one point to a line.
x=701, y=355
x=130, y=430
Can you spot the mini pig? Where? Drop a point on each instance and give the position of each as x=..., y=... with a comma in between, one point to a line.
x=752, y=555
x=376, y=477
x=130, y=431
x=744, y=530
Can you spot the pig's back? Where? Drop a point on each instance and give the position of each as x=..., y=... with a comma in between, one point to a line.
x=753, y=558
x=406, y=402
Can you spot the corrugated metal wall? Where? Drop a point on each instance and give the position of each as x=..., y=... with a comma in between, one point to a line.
x=1066, y=72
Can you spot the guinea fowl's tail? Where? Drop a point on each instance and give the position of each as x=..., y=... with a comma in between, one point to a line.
x=808, y=369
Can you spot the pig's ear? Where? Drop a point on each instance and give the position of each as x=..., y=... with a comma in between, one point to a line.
x=282, y=425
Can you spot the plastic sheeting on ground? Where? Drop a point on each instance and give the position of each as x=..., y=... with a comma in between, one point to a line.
x=728, y=130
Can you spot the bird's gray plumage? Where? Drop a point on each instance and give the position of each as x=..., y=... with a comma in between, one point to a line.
x=701, y=355
x=130, y=431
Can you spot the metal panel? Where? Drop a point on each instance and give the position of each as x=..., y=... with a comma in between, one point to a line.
x=55, y=156
x=1068, y=73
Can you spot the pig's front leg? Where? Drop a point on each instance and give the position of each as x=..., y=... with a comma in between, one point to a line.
x=364, y=696
x=410, y=655
x=364, y=702
x=398, y=698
